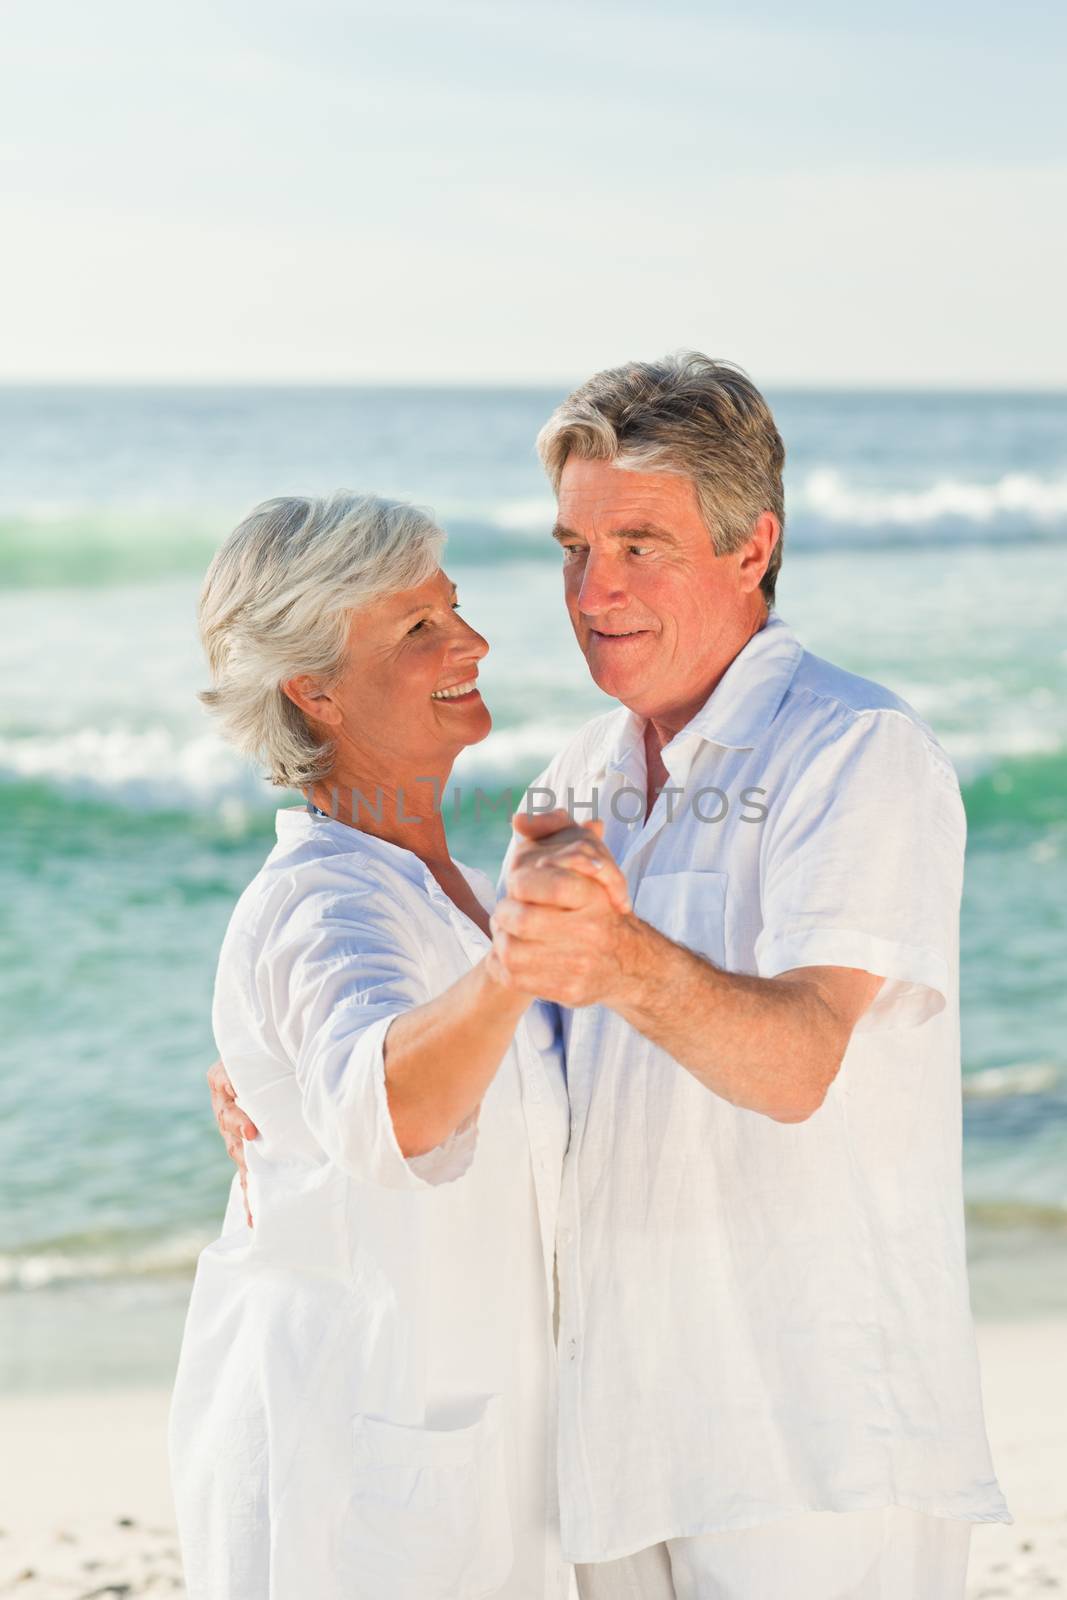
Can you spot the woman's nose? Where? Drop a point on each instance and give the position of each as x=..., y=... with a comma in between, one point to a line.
x=470, y=645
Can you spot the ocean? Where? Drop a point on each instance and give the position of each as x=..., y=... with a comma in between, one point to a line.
x=926, y=546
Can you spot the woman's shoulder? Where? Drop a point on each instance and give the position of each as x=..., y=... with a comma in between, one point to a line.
x=313, y=877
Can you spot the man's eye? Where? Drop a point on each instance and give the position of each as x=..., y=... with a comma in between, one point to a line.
x=420, y=624
x=572, y=550
x=640, y=549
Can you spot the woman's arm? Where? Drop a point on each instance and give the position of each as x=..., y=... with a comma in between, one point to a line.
x=389, y=1072
x=441, y=1057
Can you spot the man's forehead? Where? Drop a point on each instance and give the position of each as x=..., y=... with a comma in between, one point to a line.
x=601, y=495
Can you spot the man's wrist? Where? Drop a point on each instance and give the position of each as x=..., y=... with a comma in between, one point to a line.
x=636, y=965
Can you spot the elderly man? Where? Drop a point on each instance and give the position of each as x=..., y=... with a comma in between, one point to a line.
x=768, y=1378
x=763, y=1299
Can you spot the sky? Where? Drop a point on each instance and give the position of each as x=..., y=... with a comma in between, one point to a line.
x=522, y=191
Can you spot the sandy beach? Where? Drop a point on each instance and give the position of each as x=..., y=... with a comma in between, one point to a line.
x=85, y=1504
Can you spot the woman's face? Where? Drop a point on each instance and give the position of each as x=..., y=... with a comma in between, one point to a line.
x=406, y=702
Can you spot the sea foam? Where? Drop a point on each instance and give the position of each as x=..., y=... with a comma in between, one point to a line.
x=1023, y=497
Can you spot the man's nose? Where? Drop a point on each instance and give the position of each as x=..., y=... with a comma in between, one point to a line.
x=602, y=589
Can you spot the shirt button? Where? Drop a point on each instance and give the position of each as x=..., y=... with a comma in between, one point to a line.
x=572, y=1349
x=565, y=1235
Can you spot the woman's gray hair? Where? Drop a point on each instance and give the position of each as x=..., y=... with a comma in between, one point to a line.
x=687, y=414
x=276, y=603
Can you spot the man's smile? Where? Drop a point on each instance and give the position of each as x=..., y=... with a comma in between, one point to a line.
x=619, y=637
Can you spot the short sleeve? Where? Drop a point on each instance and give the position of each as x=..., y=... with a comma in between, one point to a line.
x=343, y=967
x=862, y=866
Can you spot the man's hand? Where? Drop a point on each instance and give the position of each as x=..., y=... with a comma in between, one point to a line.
x=561, y=930
x=234, y=1125
x=551, y=841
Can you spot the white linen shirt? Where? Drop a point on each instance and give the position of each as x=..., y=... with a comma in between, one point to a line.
x=760, y=1318
x=365, y=1401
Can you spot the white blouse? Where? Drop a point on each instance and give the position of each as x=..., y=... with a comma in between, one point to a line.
x=365, y=1401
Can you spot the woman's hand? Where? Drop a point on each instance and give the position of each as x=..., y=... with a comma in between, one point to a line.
x=561, y=930
x=234, y=1125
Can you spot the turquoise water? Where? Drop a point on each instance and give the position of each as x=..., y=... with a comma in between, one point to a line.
x=926, y=547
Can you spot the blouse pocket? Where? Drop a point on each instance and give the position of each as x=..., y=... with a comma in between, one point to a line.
x=429, y=1516
x=689, y=907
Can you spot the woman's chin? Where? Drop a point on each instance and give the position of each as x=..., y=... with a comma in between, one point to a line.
x=470, y=725
x=482, y=726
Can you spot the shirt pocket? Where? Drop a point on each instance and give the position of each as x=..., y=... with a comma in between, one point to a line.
x=429, y=1516
x=689, y=907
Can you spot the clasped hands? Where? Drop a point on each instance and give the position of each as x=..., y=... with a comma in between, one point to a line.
x=564, y=929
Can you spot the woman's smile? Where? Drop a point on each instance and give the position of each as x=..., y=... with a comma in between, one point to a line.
x=466, y=691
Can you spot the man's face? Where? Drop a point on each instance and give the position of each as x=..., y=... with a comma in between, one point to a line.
x=657, y=613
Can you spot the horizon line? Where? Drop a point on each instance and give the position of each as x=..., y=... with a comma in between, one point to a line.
x=532, y=385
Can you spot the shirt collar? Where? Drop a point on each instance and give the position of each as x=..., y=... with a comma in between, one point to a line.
x=739, y=709
x=307, y=822
x=298, y=821
x=627, y=732
x=745, y=701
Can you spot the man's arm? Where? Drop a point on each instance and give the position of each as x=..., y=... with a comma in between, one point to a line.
x=771, y=1045
x=872, y=835
x=566, y=931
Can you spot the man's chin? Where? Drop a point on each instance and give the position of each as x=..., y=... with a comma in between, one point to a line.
x=616, y=678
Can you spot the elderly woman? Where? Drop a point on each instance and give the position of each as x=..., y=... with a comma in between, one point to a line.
x=364, y=1403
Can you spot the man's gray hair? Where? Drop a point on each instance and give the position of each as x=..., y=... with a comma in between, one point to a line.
x=276, y=603
x=686, y=414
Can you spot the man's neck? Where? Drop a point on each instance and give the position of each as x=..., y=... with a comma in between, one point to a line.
x=662, y=726
x=660, y=730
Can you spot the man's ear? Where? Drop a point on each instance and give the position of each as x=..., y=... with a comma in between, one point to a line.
x=757, y=551
x=315, y=701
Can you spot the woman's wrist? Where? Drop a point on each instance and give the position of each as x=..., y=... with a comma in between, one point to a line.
x=500, y=990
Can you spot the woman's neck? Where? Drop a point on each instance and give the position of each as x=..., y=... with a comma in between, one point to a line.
x=405, y=814
x=405, y=811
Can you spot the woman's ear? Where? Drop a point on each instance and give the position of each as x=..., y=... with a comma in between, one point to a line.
x=314, y=701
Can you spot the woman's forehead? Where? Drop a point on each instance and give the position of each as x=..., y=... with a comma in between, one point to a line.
x=394, y=608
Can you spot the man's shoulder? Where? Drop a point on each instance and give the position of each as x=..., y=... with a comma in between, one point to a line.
x=587, y=749
x=826, y=703
x=851, y=695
